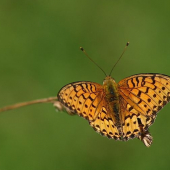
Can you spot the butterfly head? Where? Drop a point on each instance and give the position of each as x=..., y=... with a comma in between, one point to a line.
x=109, y=83
x=109, y=80
x=110, y=89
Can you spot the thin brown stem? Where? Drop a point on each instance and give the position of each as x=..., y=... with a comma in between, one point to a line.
x=18, y=105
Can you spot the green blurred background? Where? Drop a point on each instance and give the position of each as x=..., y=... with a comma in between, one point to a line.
x=39, y=51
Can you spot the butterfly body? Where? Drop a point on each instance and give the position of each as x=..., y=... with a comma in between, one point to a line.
x=112, y=98
x=121, y=111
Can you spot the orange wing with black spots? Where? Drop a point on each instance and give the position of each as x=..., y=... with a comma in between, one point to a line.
x=82, y=98
x=141, y=97
x=105, y=124
x=87, y=99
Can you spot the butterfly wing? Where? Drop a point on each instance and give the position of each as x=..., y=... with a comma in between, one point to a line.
x=141, y=97
x=105, y=124
x=87, y=99
x=82, y=98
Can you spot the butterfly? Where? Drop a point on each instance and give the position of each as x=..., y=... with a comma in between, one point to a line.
x=120, y=111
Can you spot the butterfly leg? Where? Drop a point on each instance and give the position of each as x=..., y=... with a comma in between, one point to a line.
x=145, y=136
x=60, y=107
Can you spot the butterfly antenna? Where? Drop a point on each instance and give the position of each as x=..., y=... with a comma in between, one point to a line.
x=18, y=105
x=119, y=58
x=82, y=49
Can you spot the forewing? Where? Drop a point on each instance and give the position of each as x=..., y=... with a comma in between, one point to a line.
x=82, y=98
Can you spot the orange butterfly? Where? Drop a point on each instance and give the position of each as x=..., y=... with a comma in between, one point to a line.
x=120, y=111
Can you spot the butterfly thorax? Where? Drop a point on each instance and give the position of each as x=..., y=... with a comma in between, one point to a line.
x=112, y=97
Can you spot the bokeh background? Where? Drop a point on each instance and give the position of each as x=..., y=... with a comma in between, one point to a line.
x=39, y=53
